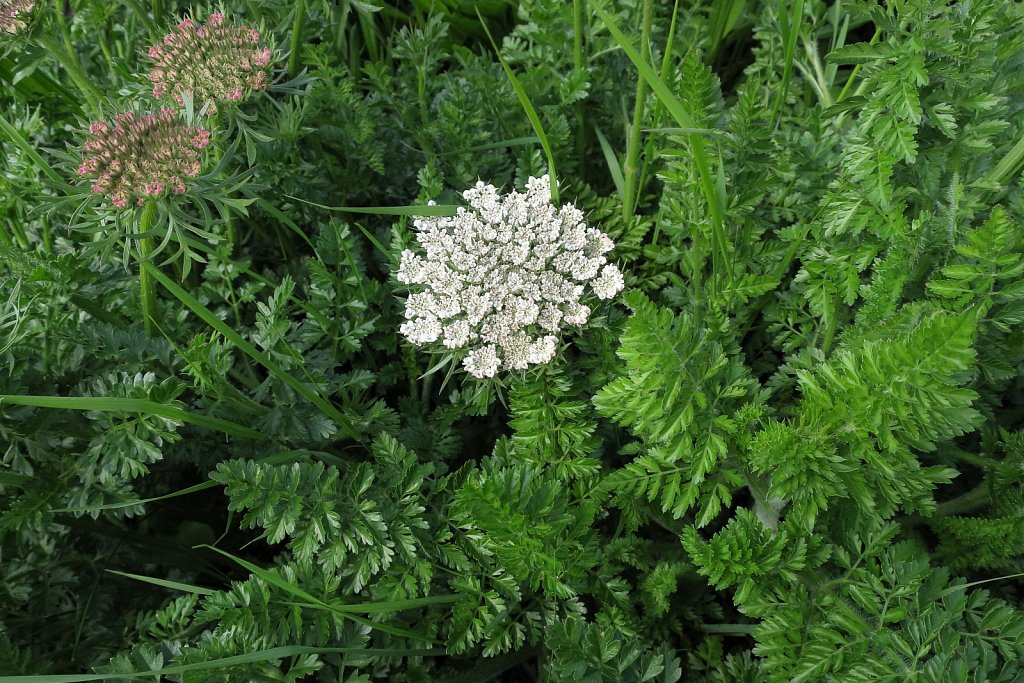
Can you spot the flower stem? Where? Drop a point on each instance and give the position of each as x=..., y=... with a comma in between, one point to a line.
x=629, y=189
x=975, y=498
x=421, y=88
x=577, y=54
x=62, y=26
x=296, y=42
x=146, y=286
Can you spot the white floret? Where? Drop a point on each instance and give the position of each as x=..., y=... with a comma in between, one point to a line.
x=482, y=362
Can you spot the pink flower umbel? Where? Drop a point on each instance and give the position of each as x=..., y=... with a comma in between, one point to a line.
x=212, y=62
x=142, y=156
x=12, y=16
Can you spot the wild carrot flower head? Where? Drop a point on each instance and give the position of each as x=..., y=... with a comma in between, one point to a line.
x=12, y=16
x=213, y=62
x=503, y=278
x=142, y=156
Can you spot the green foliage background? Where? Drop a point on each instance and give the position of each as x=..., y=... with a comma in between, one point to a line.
x=793, y=450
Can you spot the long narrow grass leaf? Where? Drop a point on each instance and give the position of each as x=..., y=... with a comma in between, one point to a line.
x=271, y=654
x=420, y=210
x=678, y=112
x=285, y=220
x=216, y=323
x=164, y=583
x=269, y=577
x=143, y=501
x=29, y=151
x=789, y=22
x=132, y=405
x=613, y=163
x=531, y=113
x=313, y=602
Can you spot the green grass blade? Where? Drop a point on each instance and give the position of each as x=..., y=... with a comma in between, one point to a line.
x=164, y=583
x=132, y=405
x=132, y=503
x=790, y=17
x=682, y=131
x=216, y=323
x=424, y=210
x=675, y=108
x=281, y=216
x=271, y=654
x=500, y=144
x=660, y=88
x=311, y=602
x=30, y=151
x=613, y=163
x=531, y=113
x=270, y=577
x=274, y=459
x=1009, y=165
x=393, y=630
x=388, y=606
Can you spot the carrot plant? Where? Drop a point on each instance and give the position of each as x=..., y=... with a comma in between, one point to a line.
x=603, y=340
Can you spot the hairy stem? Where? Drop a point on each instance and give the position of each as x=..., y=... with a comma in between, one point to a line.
x=578, y=63
x=296, y=41
x=421, y=89
x=629, y=189
x=830, y=328
x=974, y=498
x=146, y=285
x=62, y=26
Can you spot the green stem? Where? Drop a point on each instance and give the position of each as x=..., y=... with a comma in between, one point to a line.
x=421, y=88
x=62, y=26
x=830, y=328
x=629, y=189
x=577, y=55
x=296, y=42
x=974, y=498
x=146, y=286
x=107, y=54
x=158, y=10
x=856, y=69
x=70, y=64
x=659, y=107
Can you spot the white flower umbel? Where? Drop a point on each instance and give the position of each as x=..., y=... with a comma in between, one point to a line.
x=501, y=279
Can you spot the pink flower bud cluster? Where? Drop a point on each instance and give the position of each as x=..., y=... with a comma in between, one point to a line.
x=142, y=156
x=12, y=15
x=212, y=62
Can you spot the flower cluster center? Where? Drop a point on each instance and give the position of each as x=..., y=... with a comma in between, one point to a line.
x=142, y=156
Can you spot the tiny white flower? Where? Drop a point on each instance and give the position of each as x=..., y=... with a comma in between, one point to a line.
x=542, y=350
x=421, y=330
x=576, y=314
x=482, y=362
x=456, y=334
x=609, y=284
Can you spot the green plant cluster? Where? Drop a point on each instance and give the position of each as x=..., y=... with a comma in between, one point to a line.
x=791, y=450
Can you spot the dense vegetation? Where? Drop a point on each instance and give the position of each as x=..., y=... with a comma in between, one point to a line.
x=791, y=448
